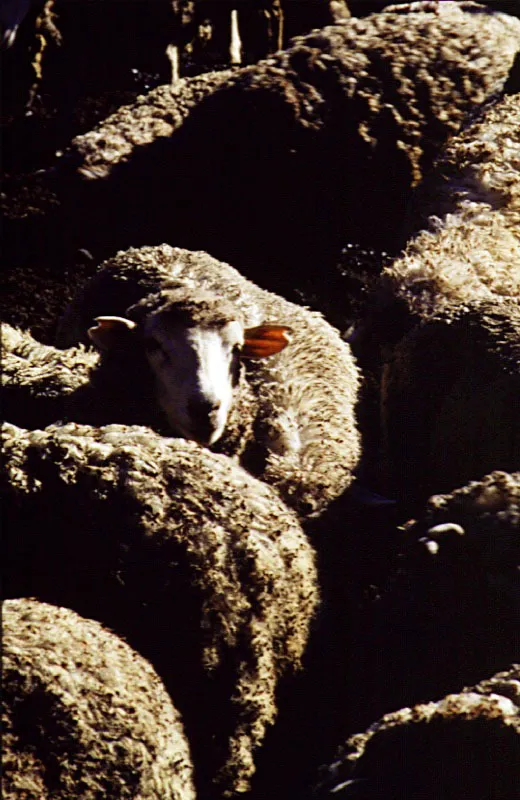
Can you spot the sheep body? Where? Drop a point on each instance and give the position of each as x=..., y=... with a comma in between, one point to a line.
x=197, y=564
x=37, y=379
x=287, y=155
x=463, y=745
x=84, y=715
x=487, y=513
x=450, y=318
x=158, y=113
x=455, y=382
x=468, y=216
x=305, y=437
x=444, y=612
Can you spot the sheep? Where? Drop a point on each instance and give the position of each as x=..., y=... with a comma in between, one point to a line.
x=448, y=609
x=198, y=565
x=42, y=385
x=83, y=714
x=479, y=522
x=290, y=418
x=443, y=611
x=298, y=155
x=485, y=512
x=449, y=397
x=448, y=319
x=465, y=745
x=467, y=220
x=158, y=113
x=437, y=606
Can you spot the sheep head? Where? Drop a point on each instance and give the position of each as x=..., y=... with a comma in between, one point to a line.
x=193, y=346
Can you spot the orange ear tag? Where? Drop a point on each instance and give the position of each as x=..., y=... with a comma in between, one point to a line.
x=265, y=340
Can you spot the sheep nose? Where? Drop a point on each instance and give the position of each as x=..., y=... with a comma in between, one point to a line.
x=202, y=424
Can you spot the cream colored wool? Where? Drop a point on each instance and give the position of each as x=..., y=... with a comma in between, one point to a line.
x=469, y=249
x=179, y=550
x=285, y=162
x=453, y=378
x=158, y=113
x=84, y=715
x=473, y=734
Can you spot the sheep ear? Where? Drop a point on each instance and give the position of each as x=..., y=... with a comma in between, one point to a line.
x=110, y=332
x=265, y=340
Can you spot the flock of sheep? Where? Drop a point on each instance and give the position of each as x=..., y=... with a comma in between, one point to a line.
x=221, y=512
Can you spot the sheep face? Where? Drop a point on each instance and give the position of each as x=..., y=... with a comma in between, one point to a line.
x=196, y=370
x=194, y=353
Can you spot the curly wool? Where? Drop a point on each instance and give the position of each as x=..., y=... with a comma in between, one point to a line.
x=158, y=113
x=364, y=60
x=200, y=307
x=179, y=550
x=477, y=47
x=297, y=155
x=488, y=511
x=304, y=441
x=22, y=354
x=83, y=714
x=494, y=500
x=448, y=323
x=470, y=208
x=473, y=734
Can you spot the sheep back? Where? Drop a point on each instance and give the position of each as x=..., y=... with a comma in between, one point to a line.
x=487, y=511
x=446, y=606
x=37, y=379
x=467, y=215
x=158, y=113
x=198, y=565
x=83, y=714
x=300, y=153
x=459, y=746
x=448, y=325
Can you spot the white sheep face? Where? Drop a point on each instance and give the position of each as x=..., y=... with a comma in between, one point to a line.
x=195, y=366
x=195, y=370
